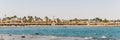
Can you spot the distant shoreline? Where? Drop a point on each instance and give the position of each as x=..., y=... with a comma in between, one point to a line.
x=37, y=21
x=64, y=26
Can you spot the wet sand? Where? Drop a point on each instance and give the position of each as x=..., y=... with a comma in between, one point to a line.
x=38, y=37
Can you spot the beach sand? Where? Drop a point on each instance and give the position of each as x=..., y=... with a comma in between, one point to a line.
x=35, y=37
x=38, y=37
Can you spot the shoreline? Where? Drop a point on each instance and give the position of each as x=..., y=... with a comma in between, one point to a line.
x=37, y=37
x=63, y=26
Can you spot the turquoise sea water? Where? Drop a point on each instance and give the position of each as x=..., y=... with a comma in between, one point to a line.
x=77, y=31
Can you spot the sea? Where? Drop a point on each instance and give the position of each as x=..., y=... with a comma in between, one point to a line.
x=95, y=32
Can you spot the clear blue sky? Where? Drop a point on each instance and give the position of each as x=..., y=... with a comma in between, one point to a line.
x=109, y=9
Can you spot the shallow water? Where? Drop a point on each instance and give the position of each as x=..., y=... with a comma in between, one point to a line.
x=77, y=31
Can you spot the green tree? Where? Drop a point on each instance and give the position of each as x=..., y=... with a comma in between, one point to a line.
x=97, y=19
x=46, y=19
x=24, y=19
x=105, y=20
x=76, y=20
x=58, y=20
x=13, y=17
x=30, y=18
x=70, y=20
x=8, y=18
x=38, y=18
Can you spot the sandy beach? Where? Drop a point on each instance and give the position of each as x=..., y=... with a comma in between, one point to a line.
x=35, y=37
x=60, y=26
x=38, y=37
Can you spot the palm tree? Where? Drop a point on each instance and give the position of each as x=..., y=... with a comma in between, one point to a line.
x=97, y=19
x=35, y=18
x=46, y=19
x=30, y=18
x=24, y=19
x=8, y=18
x=105, y=20
x=13, y=17
x=58, y=20
x=38, y=19
x=76, y=20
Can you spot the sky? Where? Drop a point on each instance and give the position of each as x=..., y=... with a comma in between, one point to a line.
x=65, y=9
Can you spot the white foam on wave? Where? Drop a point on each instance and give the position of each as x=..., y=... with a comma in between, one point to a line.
x=103, y=37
